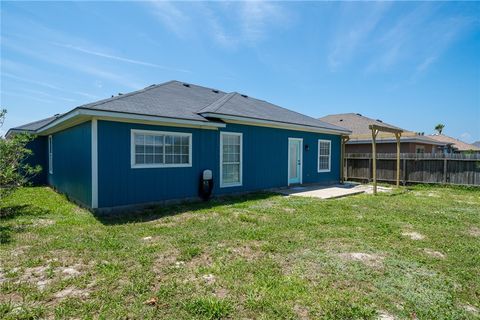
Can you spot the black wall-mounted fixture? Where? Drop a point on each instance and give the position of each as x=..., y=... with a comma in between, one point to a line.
x=307, y=147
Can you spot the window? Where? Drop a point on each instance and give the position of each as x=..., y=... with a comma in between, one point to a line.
x=419, y=149
x=230, y=159
x=324, y=155
x=157, y=149
x=50, y=155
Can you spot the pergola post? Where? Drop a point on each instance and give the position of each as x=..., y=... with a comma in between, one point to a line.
x=397, y=136
x=398, y=133
x=342, y=159
x=374, y=156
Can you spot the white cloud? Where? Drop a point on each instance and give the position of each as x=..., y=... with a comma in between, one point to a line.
x=170, y=16
x=258, y=16
x=228, y=24
x=353, y=29
x=467, y=137
x=115, y=57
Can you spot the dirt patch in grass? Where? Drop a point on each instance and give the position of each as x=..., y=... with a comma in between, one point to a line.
x=42, y=222
x=165, y=260
x=249, y=251
x=221, y=293
x=71, y=292
x=19, y=251
x=382, y=315
x=413, y=235
x=301, y=312
x=474, y=232
x=471, y=309
x=368, y=259
x=434, y=254
x=42, y=276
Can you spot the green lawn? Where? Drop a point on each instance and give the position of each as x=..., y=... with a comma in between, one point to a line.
x=411, y=253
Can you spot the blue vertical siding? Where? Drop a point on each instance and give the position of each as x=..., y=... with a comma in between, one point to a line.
x=38, y=157
x=265, y=163
x=72, y=163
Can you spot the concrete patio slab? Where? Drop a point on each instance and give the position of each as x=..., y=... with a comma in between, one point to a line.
x=331, y=191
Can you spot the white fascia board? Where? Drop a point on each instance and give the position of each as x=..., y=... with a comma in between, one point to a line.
x=273, y=124
x=127, y=116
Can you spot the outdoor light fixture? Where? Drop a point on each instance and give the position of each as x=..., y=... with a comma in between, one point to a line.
x=307, y=147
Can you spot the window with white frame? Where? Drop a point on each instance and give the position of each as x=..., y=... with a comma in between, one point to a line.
x=155, y=149
x=50, y=155
x=230, y=159
x=324, y=155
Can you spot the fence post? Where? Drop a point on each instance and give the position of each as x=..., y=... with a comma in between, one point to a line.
x=445, y=169
x=369, y=177
x=345, y=169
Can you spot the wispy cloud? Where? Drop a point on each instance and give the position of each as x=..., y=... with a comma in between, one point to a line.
x=258, y=16
x=354, y=27
x=116, y=57
x=73, y=63
x=381, y=40
x=48, y=95
x=228, y=24
x=49, y=85
x=171, y=16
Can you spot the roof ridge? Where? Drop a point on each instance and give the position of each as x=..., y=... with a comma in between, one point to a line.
x=221, y=101
x=129, y=94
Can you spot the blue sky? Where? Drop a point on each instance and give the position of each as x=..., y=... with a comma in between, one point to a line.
x=410, y=64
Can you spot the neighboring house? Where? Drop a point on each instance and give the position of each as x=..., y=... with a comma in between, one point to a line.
x=361, y=137
x=455, y=145
x=153, y=144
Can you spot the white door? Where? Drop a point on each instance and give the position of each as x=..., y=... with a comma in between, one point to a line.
x=294, y=160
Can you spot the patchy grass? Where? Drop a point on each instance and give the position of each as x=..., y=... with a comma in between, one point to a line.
x=411, y=253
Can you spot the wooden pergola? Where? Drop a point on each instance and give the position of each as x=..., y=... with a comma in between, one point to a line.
x=375, y=130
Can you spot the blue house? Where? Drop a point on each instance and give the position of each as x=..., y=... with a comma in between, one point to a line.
x=152, y=145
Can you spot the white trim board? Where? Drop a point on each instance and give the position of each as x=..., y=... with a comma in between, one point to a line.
x=237, y=184
x=94, y=164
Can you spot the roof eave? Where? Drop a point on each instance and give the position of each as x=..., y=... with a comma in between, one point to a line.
x=276, y=124
x=113, y=115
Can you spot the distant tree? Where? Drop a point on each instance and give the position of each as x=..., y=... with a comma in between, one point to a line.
x=439, y=128
x=14, y=170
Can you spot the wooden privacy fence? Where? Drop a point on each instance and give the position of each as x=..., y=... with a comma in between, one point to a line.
x=459, y=169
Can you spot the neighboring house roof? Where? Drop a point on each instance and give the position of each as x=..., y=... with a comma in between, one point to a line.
x=361, y=133
x=476, y=143
x=355, y=122
x=457, y=144
x=178, y=100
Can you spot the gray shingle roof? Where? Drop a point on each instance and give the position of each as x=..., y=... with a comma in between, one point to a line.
x=355, y=122
x=179, y=100
x=32, y=126
x=171, y=99
x=235, y=104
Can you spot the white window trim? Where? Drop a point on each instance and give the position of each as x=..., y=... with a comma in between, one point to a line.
x=329, y=156
x=156, y=165
x=50, y=154
x=236, y=184
x=301, y=160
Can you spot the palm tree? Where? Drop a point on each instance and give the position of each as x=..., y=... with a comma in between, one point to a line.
x=439, y=127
